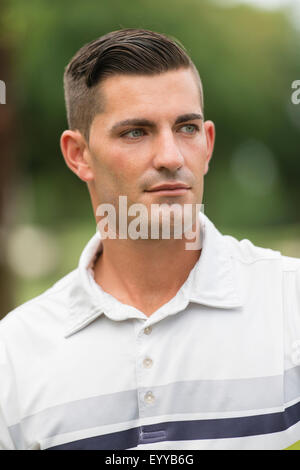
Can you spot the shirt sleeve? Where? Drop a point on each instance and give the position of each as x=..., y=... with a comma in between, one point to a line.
x=298, y=288
x=7, y=402
x=297, y=314
x=291, y=320
x=6, y=442
x=295, y=307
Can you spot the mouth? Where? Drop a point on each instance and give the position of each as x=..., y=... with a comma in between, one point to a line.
x=170, y=192
x=170, y=189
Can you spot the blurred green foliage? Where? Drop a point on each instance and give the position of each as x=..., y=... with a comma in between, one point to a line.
x=247, y=59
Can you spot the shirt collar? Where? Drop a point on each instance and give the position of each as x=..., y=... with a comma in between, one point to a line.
x=211, y=282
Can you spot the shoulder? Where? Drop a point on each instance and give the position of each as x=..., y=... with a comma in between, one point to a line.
x=246, y=252
x=268, y=262
x=42, y=311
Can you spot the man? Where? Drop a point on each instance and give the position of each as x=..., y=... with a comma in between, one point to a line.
x=150, y=344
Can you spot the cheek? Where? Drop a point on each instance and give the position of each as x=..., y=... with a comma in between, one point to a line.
x=117, y=174
x=122, y=159
x=109, y=162
x=127, y=167
x=195, y=153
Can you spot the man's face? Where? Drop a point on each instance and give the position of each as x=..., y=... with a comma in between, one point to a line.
x=151, y=132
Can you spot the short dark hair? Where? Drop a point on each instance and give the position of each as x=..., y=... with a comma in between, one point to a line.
x=126, y=51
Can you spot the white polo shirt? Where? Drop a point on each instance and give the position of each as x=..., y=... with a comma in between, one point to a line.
x=216, y=367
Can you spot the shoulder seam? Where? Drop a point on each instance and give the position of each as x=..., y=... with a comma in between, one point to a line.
x=245, y=261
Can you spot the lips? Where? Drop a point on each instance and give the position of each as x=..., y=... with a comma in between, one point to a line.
x=168, y=187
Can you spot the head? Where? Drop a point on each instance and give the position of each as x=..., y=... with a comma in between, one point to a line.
x=134, y=104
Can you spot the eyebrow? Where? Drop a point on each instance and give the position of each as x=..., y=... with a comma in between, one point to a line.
x=148, y=123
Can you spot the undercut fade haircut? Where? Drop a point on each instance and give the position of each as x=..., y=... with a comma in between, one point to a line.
x=127, y=52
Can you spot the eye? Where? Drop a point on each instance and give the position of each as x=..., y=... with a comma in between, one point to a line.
x=190, y=128
x=134, y=133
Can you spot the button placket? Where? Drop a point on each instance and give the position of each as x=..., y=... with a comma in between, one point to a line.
x=148, y=330
x=148, y=394
x=147, y=362
x=144, y=365
x=149, y=397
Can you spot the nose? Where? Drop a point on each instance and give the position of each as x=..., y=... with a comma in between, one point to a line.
x=167, y=154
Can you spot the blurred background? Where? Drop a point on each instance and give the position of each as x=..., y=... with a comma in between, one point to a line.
x=248, y=56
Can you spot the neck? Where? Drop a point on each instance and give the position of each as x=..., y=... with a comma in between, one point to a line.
x=144, y=273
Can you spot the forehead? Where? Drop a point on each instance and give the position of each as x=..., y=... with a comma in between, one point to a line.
x=169, y=92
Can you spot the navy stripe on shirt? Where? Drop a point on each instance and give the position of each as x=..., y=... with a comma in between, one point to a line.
x=189, y=430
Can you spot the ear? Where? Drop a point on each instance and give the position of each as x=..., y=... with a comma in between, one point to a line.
x=76, y=154
x=210, y=133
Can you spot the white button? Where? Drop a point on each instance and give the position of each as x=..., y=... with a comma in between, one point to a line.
x=149, y=397
x=148, y=330
x=147, y=362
